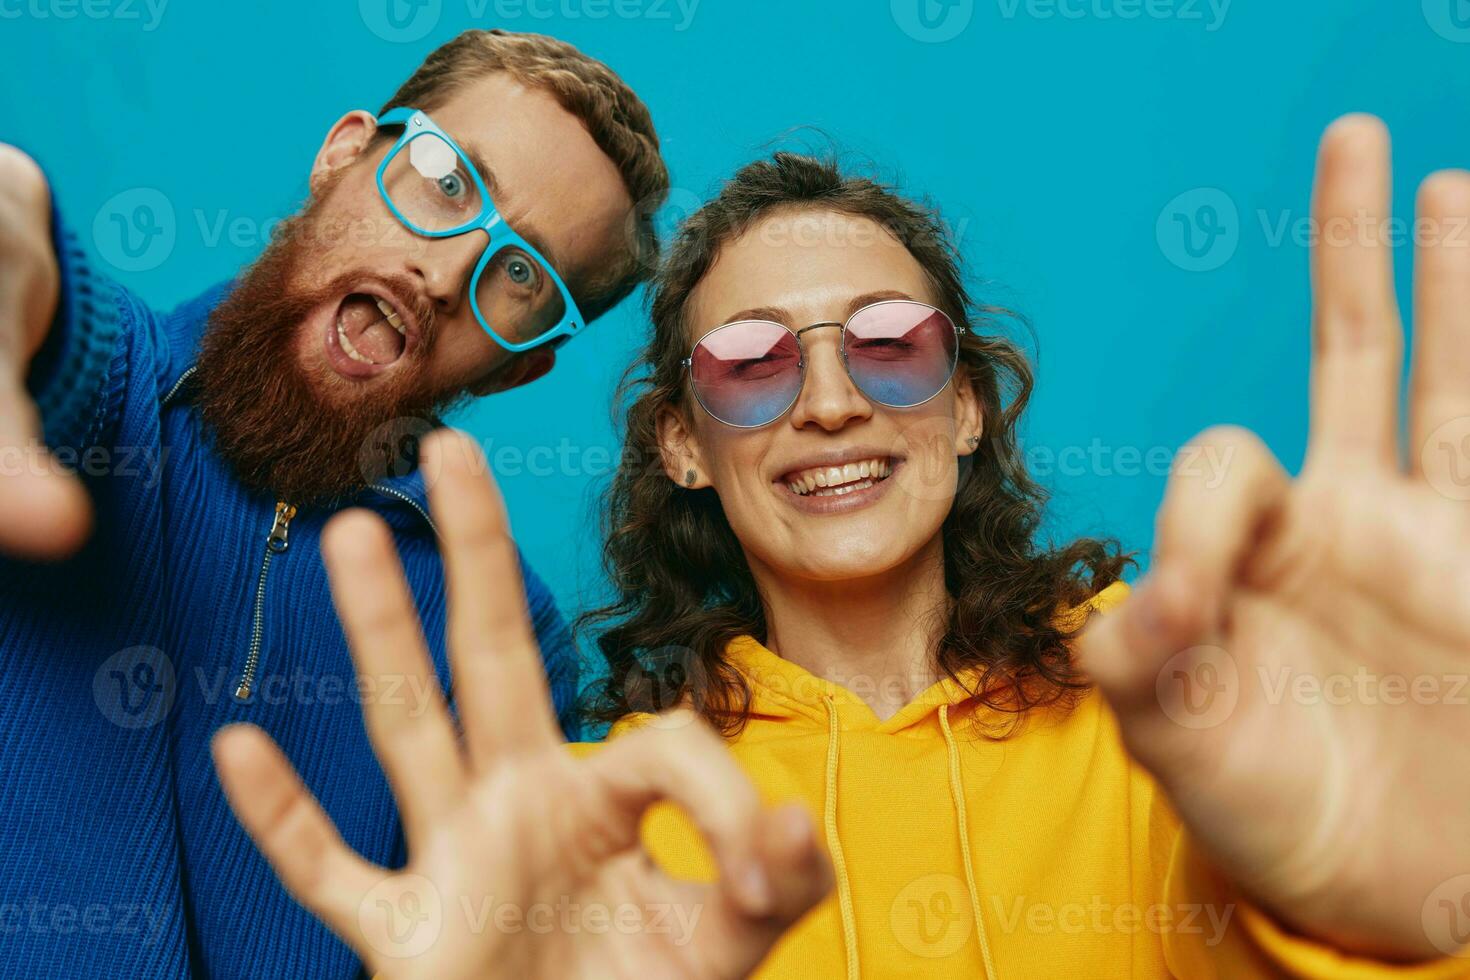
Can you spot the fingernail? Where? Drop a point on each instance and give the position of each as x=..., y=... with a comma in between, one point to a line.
x=796, y=826
x=756, y=888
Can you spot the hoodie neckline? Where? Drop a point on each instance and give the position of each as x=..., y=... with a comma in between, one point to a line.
x=781, y=688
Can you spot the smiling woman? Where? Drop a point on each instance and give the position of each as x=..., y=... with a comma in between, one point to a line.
x=788, y=244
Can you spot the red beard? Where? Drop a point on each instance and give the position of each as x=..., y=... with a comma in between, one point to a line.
x=303, y=434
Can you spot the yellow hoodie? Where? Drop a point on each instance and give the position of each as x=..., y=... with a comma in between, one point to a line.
x=1047, y=854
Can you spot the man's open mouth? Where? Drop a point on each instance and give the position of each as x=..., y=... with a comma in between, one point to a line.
x=370, y=331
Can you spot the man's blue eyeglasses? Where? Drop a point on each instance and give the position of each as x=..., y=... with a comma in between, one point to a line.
x=431, y=186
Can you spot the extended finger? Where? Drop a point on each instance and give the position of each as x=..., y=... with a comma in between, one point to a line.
x=410, y=729
x=290, y=828
x=1210, y=517
x=499, y=682
x=685, y=762
x=44, y=511
x=1357, y=349
x=1439, y=399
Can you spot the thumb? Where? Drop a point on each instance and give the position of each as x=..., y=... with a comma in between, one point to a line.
x=44, y=511
x=798, y=875
x=1211, y=517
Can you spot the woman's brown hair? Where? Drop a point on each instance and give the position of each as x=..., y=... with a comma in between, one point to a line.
x=683, y=590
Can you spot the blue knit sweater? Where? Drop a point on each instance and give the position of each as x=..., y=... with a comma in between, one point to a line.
x=121, y=857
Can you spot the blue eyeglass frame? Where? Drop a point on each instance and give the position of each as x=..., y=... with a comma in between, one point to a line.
x=498, y=231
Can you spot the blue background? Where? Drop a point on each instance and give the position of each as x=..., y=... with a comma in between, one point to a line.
x=1069, y=144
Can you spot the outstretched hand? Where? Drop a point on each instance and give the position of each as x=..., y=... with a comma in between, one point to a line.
x=496, y=809
x=44, y=512
x=1293, y=667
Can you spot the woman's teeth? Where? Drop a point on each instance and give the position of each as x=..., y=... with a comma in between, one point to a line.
x=832, y=481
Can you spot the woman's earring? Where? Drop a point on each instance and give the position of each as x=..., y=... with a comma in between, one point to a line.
x=689, y=477
x=974, y=442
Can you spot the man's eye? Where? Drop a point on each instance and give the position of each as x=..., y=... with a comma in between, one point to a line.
x=521, y=272
x=452, y=186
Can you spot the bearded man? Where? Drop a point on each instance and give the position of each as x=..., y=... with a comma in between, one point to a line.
x=450, y=243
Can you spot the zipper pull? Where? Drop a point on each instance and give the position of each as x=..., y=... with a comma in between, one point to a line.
x=277, y=542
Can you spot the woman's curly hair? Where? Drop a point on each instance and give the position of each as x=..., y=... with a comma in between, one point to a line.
x=683, y=589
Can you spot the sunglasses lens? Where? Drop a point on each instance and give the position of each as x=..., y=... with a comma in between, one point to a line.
x=747, y=373
x=901, y=353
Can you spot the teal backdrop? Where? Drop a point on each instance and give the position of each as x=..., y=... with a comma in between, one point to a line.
x=1132, y=175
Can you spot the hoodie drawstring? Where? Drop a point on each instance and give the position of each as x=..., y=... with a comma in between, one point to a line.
x=957, y=793
x=834, y=846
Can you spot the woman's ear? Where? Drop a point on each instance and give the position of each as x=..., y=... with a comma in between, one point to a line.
x=679, y=449
x=345, y=141
x=969, y=417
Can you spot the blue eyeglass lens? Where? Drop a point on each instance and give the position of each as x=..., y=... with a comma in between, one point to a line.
x=899, y=353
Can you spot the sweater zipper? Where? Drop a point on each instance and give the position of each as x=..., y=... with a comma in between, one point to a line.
x=400, y=495
x=275, y=543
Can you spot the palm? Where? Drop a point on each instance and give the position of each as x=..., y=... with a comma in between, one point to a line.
x=523, y=859
x=1292, y=671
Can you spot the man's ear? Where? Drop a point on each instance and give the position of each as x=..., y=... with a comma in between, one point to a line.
x=520, y=370
x=969, y=418
x=679, y=449
x=345, y=141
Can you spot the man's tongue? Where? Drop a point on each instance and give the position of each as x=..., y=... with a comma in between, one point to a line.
x=366, y=332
